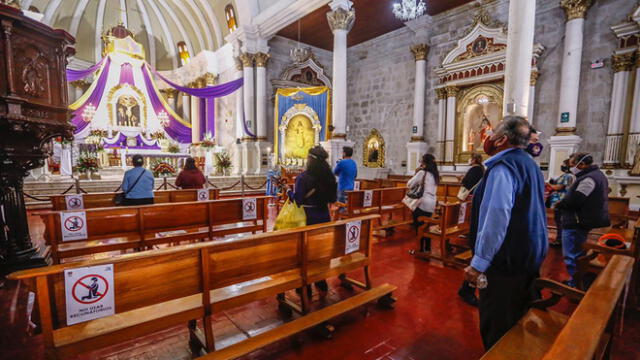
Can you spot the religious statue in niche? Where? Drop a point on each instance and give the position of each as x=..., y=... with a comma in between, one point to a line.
x=481, y=133
x=127, y=111
x=373, y=154
x=479, y=110
x=299, y=137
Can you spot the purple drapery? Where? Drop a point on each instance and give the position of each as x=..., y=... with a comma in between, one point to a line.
x=122, y=143
x=126, y=74
x=73, y=75
x=93, y=99
x=175, y=129
x=207, y=97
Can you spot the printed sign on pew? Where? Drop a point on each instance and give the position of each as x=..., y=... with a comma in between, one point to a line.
x=89, y=293
x=352, y=236
x=249, y=209
x=367, y=199
x=74, y=202
x=73, y=225
x=203, y=194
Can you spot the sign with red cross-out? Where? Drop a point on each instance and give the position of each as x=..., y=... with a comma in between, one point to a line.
x=352, y=236
x=249, y=209
x=74, y=202
x=203, y=194
x=73, y=225
x=89, y=293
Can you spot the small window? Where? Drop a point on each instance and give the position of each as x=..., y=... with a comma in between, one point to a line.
x=183, y=53
x=230, y=15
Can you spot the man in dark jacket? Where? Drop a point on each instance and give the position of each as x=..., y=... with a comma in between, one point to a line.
x=583, y=208
x=508, y=228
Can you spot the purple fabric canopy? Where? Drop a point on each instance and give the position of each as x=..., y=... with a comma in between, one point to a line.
x=207, y=97
x=73, y=75
x=126, y=74
x=93, y=99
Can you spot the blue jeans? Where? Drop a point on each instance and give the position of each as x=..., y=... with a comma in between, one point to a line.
x=342, y=196
x=572, y=240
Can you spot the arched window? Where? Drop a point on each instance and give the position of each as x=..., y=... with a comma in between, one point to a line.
x=183, y=53
x=230, y=15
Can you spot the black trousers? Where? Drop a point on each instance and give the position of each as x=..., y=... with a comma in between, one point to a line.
x=502, y=303
x=425, y=242
x=133, y=202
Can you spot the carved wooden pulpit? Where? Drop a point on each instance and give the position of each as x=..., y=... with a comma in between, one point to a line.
x=33, y=110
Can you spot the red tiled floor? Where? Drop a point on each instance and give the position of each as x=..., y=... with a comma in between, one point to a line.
x=428, y=322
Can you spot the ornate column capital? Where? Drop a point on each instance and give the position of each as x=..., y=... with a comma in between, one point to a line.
x=169, y=93
x=534, y=78
x=247, y=59
x=79, y=83
x=441, y=93
x=420, y=51
x=210, y=79
x=575, y=9
x=261, y=59
x=622, y=62
x=452, y=91
x=341, y=19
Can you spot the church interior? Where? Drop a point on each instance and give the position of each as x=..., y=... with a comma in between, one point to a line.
x=258, y=97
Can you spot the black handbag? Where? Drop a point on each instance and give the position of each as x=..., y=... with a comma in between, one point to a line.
x=118, y=199
x=417, y=190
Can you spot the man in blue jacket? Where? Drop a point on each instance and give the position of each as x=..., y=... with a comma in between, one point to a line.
x=346, y=170
x=508, y=228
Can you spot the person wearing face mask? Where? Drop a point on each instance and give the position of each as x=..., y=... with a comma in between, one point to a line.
x=535, y=147
x=584, y=207
x=560, y=185
x=508, y=229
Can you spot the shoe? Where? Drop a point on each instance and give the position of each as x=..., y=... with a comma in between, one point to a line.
x=469, y=298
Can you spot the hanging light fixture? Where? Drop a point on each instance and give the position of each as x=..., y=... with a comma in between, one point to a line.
x=299, y=54
x=409, y=9
x=88, y=112
x=164, y=118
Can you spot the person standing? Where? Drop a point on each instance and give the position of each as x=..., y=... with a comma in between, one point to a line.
x=559, y=188
x=584, y=207
x=469, y=182
x=190, y=176
x=315, y=190
x=137, y=184
x=428, y=176
x=347, y=171
x=508, y=229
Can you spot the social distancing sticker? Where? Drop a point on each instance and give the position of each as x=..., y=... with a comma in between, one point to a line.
x=203, y=194
x=249, y=209
x=367, y=199
x=73, y=225
x=74, y=202
x=89, y=293
x=352, y=236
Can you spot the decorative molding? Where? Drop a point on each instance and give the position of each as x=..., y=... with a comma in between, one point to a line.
x=261, y=59
x=169, y=93
x=441, y=93
x=247, y=59
x=622, y=62
x=420, y=51
x=452, y=91
x=341, y=19
x=565, y=131
x=534, y=78
x=294, y=75
x=575, y=9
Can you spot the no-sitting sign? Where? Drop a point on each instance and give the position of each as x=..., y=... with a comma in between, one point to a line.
x=89, y=293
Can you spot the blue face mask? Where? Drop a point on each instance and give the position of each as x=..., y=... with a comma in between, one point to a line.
x=534, y=149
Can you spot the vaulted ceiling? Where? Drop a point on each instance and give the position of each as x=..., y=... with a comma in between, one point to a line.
x=157, y=24
x=373, y=18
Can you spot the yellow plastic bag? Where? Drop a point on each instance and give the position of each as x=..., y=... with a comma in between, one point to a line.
x=291, y=216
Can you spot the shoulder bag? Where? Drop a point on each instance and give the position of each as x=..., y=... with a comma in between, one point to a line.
x=118, y=199
x=410, y=200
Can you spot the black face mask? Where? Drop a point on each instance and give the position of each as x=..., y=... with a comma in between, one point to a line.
x=564, y=168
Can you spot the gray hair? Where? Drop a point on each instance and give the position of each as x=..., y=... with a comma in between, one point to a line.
x=517, y=130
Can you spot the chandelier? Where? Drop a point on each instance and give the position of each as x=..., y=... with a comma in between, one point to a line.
x=164, y=118
x=299, y=54
x=88, y=112
x=409, y=9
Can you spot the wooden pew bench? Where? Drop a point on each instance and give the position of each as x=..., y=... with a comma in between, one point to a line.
x=105, y=199
x=160, y=289
x=142, y=227
x=386, y=202
x=584, y=335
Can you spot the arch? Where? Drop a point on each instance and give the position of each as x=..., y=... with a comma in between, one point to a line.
x=149, y=30
x=203, y=24
x=212, y=20
x=192, y=22
x=165, y=29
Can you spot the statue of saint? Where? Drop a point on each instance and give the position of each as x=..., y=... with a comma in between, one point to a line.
x=635, y=170
x=485, y=128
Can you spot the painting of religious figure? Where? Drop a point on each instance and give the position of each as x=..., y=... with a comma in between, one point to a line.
x=374, y=150
x=128, y=111
x=479, y=112
x=299, y=137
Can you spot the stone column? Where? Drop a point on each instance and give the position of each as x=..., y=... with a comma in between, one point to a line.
x=238, y=166
x=186, y=106
x=263, y=145
x=341, y=19
x=452, y=92
x=622, y=66
x=634, y=128
x=195, y=113
x=249, y=155
x=566, y=142
x=418, y=146
x=441, y=94
x=532, y=95
x=522, y=13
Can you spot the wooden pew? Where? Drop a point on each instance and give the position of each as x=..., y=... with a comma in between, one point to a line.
x=164, y=288
x=142, y=227
x=105, y=199
x=586, y=334
x=448, y=191
x=618, y=213
x=387, y=202
x=445, y=228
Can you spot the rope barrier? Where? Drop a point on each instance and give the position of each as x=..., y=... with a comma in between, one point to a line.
x=256, y=188
x=36, y=198
x=69, y=188
x=232, y=186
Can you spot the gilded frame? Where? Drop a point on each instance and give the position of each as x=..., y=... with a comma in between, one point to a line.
x=368, y=157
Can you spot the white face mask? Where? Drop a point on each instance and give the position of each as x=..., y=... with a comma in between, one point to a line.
x=574, y=170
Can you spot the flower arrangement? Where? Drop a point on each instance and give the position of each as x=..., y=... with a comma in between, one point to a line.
x=208, y=142
x=173, y=148
x=223, y=161
x=87, y=163
x=161, y=168
x=158, y=135
x=99, y=133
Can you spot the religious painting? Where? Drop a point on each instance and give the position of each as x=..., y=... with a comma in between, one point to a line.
x=374, y=148
x=479, y=111
x=299, y=137
x=127, y=111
